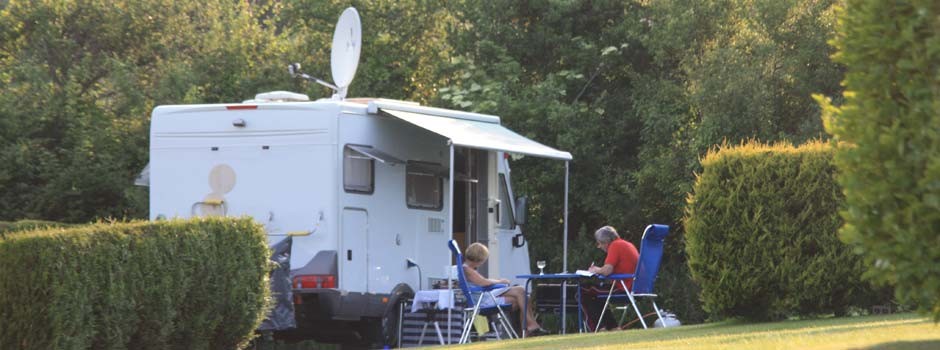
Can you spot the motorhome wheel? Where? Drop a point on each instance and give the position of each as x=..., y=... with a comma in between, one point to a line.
x=390, y=320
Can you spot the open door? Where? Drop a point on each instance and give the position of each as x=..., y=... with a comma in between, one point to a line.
x=515, y=250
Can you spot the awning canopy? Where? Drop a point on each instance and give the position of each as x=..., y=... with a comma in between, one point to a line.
x=480, y=133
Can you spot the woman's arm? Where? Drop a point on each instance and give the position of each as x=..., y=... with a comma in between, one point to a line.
x=476, y=278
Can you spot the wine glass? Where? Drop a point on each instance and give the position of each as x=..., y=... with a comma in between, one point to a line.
x=541, y=265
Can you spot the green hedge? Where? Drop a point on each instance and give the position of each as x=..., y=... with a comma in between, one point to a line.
x=888, y=137
x=7, y=227
x=761, y=234
x=199, y=284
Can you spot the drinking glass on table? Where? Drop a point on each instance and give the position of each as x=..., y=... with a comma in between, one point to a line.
x=541, y=265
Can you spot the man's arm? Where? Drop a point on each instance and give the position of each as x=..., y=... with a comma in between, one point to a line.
x=614, y=254
x=605, y=270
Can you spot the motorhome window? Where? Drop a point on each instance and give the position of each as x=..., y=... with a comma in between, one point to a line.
x=358, y=172
x=506, y=219
x=424, y=186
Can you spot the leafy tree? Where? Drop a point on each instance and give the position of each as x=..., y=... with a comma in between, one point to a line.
x=637, y=92
x=887, y=137
x=405, y=45
x=728, y=70
x=80, y=78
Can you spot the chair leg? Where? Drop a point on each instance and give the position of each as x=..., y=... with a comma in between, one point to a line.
x=623, y=316
x=465, y=334
x=658, y=314
x=463, y=328
x=503, y=319
x=638, y=313
x=469, y=323
x=423, y=330
x=495, y=330
x=440, y=337
x=507, y=326
x=604, y=309
x=633, y=302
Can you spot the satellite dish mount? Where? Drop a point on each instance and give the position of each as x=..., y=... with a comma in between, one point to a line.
x=344, y=57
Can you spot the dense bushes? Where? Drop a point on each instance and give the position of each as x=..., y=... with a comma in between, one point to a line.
x=198, y=284
x=761, y=234
x=888, y=138
x=6, y=227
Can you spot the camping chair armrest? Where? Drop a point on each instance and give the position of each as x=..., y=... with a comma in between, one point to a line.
x=617, y=277
x=487, y=288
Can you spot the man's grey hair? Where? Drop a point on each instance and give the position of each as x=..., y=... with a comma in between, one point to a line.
x=606, y=234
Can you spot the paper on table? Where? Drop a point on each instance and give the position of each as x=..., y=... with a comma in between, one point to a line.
x=585, y=273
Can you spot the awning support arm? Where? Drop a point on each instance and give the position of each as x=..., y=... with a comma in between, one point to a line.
x=564, y=264
x=564, y=261
x=450, y=223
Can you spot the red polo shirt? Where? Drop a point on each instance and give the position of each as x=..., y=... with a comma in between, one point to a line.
x=623, y=256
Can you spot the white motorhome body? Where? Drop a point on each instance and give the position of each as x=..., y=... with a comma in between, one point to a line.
x=360, y=185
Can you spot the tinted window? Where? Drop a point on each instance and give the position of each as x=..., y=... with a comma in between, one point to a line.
x=424, y=187
x=358, y=172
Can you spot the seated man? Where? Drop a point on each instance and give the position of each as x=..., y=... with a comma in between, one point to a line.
x=475, y=256
x=622, y=258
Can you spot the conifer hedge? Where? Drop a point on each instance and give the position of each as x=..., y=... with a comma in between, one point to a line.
x=8, y=227
x=199, y=284
x=761, y=236
x=888, y=136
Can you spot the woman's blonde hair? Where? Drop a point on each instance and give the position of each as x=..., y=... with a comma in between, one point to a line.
x=477, y=253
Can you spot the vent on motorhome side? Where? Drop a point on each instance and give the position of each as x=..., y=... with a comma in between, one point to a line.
x=436, y=225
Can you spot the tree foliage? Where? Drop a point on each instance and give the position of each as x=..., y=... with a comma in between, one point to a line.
x=405, y=45
x=636, y=90
x=887, y=137
x=80, y=78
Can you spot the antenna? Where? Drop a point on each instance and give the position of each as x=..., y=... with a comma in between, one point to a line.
x=344, y=56
x=294, y=69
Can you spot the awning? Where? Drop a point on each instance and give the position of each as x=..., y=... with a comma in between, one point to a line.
x=480, y=134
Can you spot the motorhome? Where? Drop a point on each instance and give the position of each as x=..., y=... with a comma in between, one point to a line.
x=369, y=190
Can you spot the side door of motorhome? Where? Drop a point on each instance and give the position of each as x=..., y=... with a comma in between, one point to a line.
x=353, y=255
x=514, y=250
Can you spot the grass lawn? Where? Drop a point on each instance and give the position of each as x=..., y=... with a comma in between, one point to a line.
x=899, y=331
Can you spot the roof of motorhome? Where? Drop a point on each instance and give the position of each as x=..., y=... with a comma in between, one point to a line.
x=355, y=105
x=465, y=129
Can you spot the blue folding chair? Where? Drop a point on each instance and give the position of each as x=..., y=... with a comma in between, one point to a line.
x=473, y=304
x=651, y=253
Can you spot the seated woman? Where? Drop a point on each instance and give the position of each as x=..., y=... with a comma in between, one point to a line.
x=475, y=256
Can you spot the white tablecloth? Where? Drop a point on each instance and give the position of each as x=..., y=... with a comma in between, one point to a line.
x=425, y=299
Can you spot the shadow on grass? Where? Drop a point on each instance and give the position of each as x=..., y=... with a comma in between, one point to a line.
x=906, y=345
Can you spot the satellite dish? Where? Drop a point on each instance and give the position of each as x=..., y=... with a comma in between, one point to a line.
x=347, y=42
